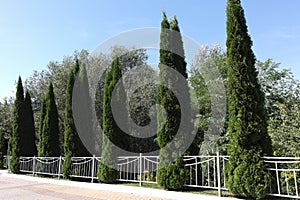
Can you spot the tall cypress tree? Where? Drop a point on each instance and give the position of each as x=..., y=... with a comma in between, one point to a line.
x=41, y=148
x=29, y=146
x=247, y=117
x=171, y=175
x=82, y=113
x=49, y=146
x=17, y=129
x=178, y=59
x=111, y=132
x=73, y=146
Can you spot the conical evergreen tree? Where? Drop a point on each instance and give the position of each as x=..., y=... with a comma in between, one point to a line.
x=41, y=149
x=82, y=113
x=247, y=117
x=177, y=48
x=111, y=132
x=17, y=129
x=29, y=146
x=50, y=132
x=181, y=66
x=171, y=175
x=73, y=146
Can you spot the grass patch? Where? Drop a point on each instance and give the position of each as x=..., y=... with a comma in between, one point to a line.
x=144, y=185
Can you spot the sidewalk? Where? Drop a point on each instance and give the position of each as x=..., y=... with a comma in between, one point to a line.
x=149, y=192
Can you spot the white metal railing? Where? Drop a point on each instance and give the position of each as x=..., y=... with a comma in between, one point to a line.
x=140, y=168
x=42, y=165
x=204, y=171
x=85, y=167
x=286, y=176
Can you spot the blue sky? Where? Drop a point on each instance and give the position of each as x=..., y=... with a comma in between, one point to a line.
x=35, y=32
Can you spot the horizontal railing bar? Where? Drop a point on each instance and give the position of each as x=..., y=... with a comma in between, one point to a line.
x=283, y=195
x=274, y=169
x=282, y=162
x=282, y=158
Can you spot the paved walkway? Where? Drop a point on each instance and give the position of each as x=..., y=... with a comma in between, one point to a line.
x=26, y=187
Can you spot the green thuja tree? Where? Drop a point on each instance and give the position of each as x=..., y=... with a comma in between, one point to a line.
x=50, y=132
x=249, y=140
x=171, y=173
x=17, y=129
x=73, y=146
x=41, y=148
x=111, y=131
x=69, y=126
x=82, y=114
x=180, y=65
x=29, y=146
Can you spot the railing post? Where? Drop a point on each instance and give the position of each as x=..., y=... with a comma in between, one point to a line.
x=93, y=170
x=8, y=163
x=140, y=169
x=4, y=162
x=33, y=165
x=277, y=178
x=59, y=167
x=219, y=175
x=296, y=185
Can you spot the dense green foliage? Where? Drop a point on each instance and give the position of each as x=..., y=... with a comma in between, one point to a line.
x=5, y=128
x=285, y=131
x=41, y=124
x=17, y=129
x=209, y=79
x=73, y=146
x=82, y=115
x=22, y=140
x=56, y=72
x=29, y=145
x=281, y=91
x=2, y=149
x=282, y=101
x=133, y=60
x=141, y=103
x=171, y=174
x=247, y=116
x=49, y=136
x=263, y=106
x=112, y=134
